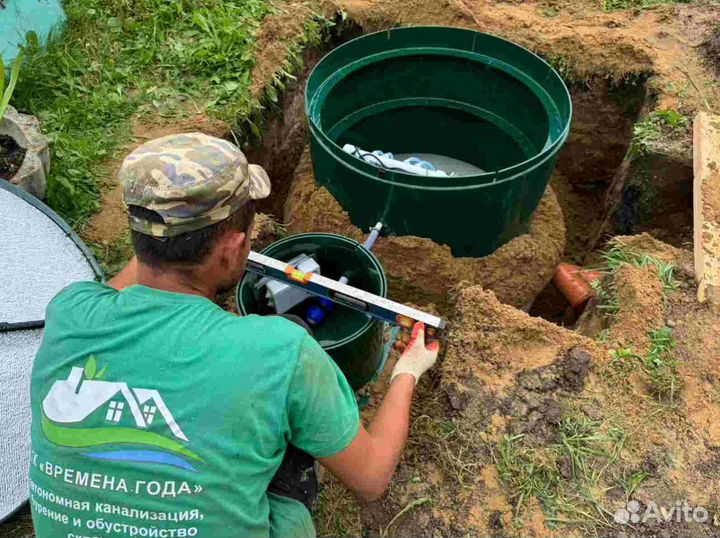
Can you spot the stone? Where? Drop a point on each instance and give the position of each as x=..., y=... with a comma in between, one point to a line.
x=25, y=130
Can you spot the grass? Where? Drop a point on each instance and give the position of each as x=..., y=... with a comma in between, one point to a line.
x=6, y=90
x=117, y=57
x=658, y=363
x=336, y=512
x=566, y=477
x=565, y=67
x=614, y=5
x=623, y=359
x=617, y=256
x=654, y=127
x=620, y=255
x=661, y=367
x=631, y=483
x=606, y=299
x=121, y=58
x=113, y=256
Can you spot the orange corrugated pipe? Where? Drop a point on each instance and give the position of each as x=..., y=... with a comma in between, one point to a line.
x=575, y=284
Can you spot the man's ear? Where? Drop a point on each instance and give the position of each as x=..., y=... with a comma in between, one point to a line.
x=233, y=244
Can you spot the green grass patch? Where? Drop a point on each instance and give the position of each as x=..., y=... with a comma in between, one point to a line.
x=614, y=5
x=659, y=364
x=661, y=367
x=630, y=483
x=620, y=255
x=655, y=126
x=117, y=58
x=568, y=476
x=623, y=360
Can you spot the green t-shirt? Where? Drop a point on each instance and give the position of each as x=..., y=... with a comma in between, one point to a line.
x=158, y=414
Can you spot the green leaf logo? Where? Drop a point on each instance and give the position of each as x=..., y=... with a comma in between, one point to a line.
x=90, y=367
x=101, y=373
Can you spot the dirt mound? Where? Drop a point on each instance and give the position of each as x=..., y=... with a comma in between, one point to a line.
x=582, y=40
x=277, y=34
x=508, y=391
x=492, y=344
x=640, y=299
x=421, y=271
x=503, y=372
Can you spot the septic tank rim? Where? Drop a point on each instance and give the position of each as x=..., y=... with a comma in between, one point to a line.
x=328, y=85
x=402, y=178
x=369, y=255
x=69, y=232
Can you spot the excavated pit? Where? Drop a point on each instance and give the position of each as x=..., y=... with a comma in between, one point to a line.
x=592, y=194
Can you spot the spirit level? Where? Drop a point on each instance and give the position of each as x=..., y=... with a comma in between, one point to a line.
x=362, y=301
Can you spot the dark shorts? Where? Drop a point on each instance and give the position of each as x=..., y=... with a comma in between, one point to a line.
x=296, y=477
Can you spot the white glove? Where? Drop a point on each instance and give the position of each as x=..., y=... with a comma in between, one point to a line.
x=417, y=358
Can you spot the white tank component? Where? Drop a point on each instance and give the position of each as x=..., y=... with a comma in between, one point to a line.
x=387, y=160
x=454, y=167
x=283, y=297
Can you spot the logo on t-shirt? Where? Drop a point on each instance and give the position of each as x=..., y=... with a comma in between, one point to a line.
x=86, y=412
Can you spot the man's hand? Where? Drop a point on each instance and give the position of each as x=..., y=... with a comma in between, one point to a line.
x=417, y=357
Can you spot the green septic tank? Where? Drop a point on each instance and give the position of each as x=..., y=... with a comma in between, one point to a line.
x=479, y=105
x=352, y=339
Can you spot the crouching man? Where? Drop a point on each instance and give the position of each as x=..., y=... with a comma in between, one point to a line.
x=157, y=413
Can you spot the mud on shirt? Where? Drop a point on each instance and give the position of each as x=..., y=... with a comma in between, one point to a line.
x=158, y=414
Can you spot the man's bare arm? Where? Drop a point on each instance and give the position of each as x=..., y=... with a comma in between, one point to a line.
x=368, y=464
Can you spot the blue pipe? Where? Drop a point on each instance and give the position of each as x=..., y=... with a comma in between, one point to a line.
x=318, y=312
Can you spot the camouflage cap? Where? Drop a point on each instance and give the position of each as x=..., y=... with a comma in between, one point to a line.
x=191, y=180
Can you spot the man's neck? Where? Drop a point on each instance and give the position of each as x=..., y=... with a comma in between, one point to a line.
x=176, y=281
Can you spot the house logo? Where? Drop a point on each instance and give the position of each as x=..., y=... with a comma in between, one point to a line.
x=71, y=402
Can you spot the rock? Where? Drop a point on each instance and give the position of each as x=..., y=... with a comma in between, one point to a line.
x=25, y=130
